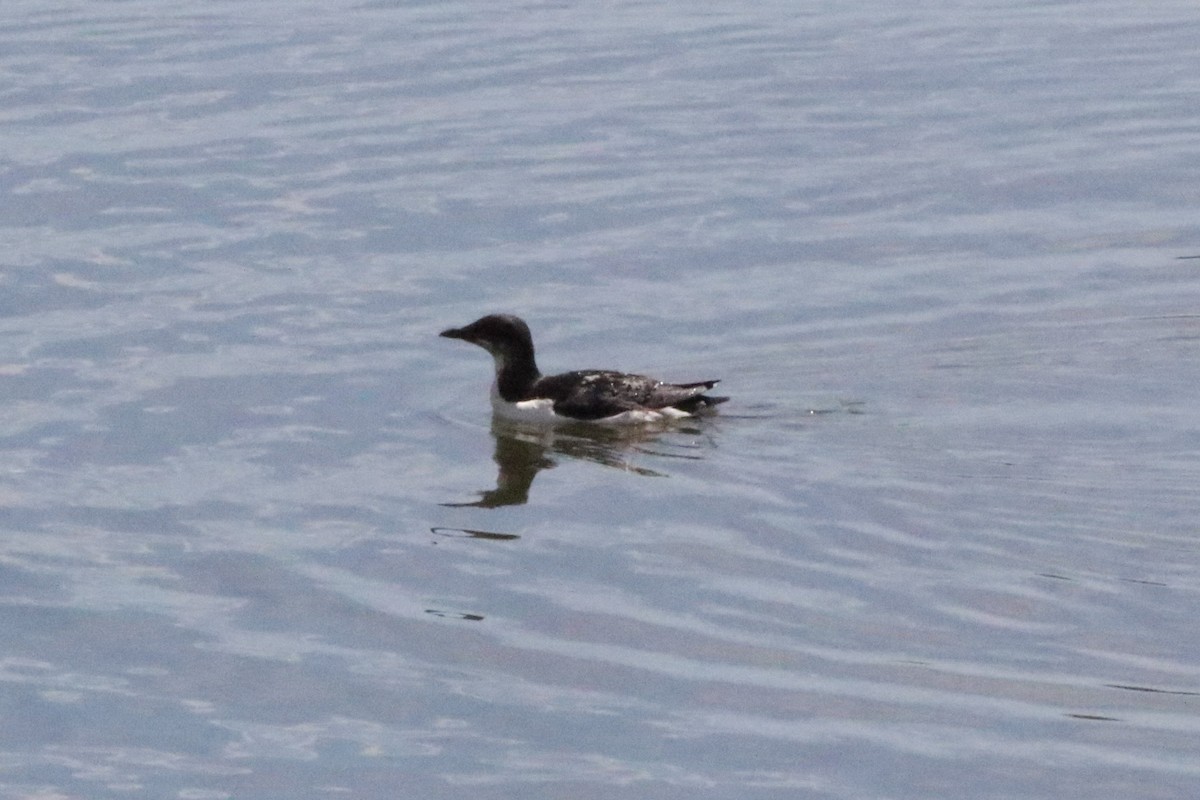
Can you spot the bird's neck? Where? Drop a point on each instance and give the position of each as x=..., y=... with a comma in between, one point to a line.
x=515, y=375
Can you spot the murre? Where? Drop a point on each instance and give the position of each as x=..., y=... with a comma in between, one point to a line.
x=521, y=392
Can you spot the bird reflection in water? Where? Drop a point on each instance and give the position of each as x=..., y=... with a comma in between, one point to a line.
x=522, y=451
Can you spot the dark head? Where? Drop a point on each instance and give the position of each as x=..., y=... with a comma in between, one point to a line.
x=506, y=337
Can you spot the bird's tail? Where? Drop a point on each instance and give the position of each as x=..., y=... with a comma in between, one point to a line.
x=700, y=403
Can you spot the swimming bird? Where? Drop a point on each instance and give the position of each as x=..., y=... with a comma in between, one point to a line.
x=522, y=392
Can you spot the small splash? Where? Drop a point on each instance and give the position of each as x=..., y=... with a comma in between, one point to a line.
x=1093, y=718
x=1143, y=581
x=454, y=615
x=469, y=533
x=1150, y=689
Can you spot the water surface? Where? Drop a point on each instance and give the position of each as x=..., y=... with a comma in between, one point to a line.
x=262, y=539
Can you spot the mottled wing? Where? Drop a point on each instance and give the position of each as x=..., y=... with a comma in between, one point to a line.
x=589, y=394
x=598, y=394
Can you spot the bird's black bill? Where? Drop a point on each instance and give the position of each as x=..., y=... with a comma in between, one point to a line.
x=453, y=333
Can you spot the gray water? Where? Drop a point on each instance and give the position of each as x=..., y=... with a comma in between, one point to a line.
x=262, y=540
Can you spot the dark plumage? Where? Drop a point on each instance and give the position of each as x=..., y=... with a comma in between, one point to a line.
x=522, y=390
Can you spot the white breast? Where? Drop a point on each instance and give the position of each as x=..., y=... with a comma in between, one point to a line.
x=536, y=411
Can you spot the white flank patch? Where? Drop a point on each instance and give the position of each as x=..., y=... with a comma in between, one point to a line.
x=535, y=411
x=639, y=417
x=541, y=412
x=643, y=416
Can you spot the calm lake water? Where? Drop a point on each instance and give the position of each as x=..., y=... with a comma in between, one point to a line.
x=261, y=539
